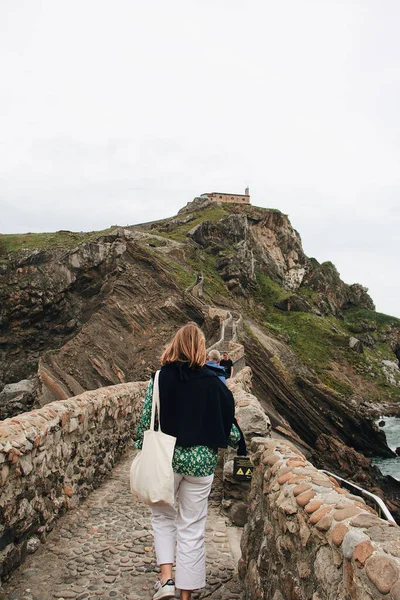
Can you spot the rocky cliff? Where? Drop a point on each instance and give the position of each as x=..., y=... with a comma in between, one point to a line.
x=91, y=316
x=87, y=314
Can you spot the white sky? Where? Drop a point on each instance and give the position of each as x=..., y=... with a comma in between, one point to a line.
x=121, y=111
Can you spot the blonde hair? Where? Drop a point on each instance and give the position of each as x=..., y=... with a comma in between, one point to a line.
x=188, y=345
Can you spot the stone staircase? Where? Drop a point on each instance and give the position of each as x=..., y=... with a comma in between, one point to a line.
x=227, y=342
x=230, y=322
x=228, y=335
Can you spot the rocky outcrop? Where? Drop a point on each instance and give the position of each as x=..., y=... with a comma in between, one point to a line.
x=262, y=240
x=198, y=203
x=99, y=314
x=336, y=434
x=46, y=296
x=308, y=538
x=391, y=371
x=301, y=402
x=236, y=268
x=333, y=295
x=18, y=397
x=356, y=345
x=280, y=245
x=265, y=241
x=93, y=316
x=52, y=457
x=294, y=304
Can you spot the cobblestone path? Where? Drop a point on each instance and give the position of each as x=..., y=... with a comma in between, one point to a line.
x=104, y=549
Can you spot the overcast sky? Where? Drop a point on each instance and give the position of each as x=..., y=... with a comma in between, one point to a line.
x=121, y=111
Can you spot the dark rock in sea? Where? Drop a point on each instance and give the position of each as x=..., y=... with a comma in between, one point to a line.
x=382, y=423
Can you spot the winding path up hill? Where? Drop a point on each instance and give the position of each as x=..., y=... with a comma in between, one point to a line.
x=78, y=313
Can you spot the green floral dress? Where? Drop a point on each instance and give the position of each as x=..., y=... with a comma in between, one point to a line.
x=199, y=461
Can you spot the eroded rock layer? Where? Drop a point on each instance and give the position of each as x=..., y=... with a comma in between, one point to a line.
x=99, y=313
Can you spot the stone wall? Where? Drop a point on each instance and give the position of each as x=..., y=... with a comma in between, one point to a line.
x=52, y=457
x=225, y=341
x=253, y=422
x=236, y=353
x=237, y=198
x=308, y=539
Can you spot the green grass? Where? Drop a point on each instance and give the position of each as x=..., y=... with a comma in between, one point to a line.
x=185, y=273
x=12, y=242
x=155, y=242
x=358, y=319
x=335, y=384
x=255, y=212
x=196, y=261
x=309, y=335
x=313, y=340
x=214, y=288
x=307, y=293
x=202, y=262
x=269, y=292
x=184, y=277
x=319, y=346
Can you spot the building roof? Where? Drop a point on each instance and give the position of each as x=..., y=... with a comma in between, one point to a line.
x=222, y=194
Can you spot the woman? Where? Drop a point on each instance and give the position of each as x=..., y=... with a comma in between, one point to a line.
x=199, y=410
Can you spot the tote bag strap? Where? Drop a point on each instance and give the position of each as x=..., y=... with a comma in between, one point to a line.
x=156, y=403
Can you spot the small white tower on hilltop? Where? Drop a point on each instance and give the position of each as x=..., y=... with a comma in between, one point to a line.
x=247, y=191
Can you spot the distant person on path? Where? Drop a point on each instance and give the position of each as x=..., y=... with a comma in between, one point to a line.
x=213, y=363
x=199, y=410
x=227, y=364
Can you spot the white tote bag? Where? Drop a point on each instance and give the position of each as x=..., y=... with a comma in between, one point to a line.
x=152, y=477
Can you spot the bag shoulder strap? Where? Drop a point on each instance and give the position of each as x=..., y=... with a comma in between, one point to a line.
x=155, y=406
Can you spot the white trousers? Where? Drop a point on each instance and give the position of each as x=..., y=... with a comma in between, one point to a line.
x=184, y=526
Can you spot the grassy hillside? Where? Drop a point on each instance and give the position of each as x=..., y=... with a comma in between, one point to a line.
x=177, y=231
x=323, y=342
x=12, y=242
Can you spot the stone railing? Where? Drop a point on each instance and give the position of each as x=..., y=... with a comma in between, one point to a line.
x=194, y=294
x=51, y=457
x=308, y=539
x=224, y=323
x=236, y=352
x=253, y=422
x=237, y=327
x=227, y=343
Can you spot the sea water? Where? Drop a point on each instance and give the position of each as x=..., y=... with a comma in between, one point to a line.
x=390, y=466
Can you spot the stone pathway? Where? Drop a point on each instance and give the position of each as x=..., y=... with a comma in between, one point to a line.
x=104, y=549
